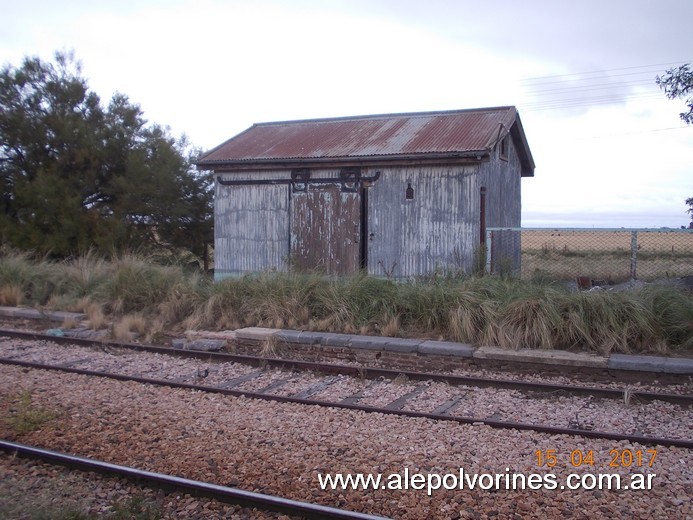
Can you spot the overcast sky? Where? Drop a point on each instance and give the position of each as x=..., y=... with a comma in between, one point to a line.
x=610, y=149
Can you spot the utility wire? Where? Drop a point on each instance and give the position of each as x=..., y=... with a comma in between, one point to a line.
x=649, y=131
x=585, y=101
x=566, y=80
x=602, y=71
x=591, y=88
x=578, y=86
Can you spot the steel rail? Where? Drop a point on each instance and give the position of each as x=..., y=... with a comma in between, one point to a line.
x=554, y=430
x=363, y=372
x=194, y=487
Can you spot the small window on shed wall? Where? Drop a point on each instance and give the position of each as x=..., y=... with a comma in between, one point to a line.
x=503, y=153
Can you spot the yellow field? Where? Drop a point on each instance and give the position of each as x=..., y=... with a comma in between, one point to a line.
x=664, y=241
x=606, y=255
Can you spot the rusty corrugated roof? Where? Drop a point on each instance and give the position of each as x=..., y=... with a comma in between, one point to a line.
x=415, y=134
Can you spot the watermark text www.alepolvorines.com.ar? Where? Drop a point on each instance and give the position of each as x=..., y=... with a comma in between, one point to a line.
x=461, y=480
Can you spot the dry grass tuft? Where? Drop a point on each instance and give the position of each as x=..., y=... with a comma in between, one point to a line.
x=270, y=348
x=155, y=332
x=129, y=327
x=11, y=295
x=95, y=316
x=468, y=321
x=392, y=327
x=69, y=323
x=526, y=323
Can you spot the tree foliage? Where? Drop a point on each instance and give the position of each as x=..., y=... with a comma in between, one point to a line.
x=677, y=83
x=77, y=175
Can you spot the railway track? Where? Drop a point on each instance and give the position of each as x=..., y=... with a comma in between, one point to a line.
x=462, y=399
x=610, y=388
x=171, y=483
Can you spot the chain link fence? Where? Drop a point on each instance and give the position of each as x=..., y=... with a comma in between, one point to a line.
x=601, y=256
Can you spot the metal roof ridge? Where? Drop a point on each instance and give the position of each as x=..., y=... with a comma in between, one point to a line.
x=385, y=116
x=505, y=124
x=373, y=157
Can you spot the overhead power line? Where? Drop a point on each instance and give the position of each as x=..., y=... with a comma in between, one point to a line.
x=574, y=102
x=602, y=71
x=648, y=131
x=597, y=87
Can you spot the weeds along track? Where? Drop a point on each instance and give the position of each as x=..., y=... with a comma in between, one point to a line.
x=626, y=413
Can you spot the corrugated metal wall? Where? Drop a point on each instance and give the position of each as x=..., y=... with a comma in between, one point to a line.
x=251, y=226
x=438, y=230
x=503, y=208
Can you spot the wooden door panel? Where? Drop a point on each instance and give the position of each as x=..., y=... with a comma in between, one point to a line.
x=326, y=230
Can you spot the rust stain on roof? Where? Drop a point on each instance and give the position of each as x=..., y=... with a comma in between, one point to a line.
x=424, y=133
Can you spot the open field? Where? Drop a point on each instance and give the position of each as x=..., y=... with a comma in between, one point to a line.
x=607, y=254
x=669, y=241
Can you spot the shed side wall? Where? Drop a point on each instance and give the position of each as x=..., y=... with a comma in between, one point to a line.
x=251, y=226
x=502, y=179
x=436, y=231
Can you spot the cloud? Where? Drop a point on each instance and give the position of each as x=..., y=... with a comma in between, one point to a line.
x=211, y=68
x=586, y=35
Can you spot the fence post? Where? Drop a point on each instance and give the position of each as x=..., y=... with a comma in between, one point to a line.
x=488, y=246
x=633, y=254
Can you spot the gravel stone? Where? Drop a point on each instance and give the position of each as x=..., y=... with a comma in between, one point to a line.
x=280, y=448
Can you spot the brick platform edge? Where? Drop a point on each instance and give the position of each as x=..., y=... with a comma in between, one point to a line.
x=384, y=352
x=421, y=354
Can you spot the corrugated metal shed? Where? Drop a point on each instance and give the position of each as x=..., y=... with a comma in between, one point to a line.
x=396, y=195
x=470, y=132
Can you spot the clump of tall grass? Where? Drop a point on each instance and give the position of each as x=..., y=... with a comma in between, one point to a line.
x=138, y=285
x=218, y=309
x=129, y=327
x=426, y=307
x=518, y=314
x=84, y=275
x=16, y=268
x=673, y=309
x=11, y=295
x=354, y=303
x=607, y=321
x=184, y=297
x=265, y=299
x=26, y=279
x=279, y=300
x=470, y=317
x=95, y=315
x=526, y=321
x=485, y=310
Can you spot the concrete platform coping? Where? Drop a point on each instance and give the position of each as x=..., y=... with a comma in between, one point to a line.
x=670, y=365
x=465, y=350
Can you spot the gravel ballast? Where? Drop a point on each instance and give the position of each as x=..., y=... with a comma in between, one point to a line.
x=280, y=448
x=31, y=489
x=624, y=416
